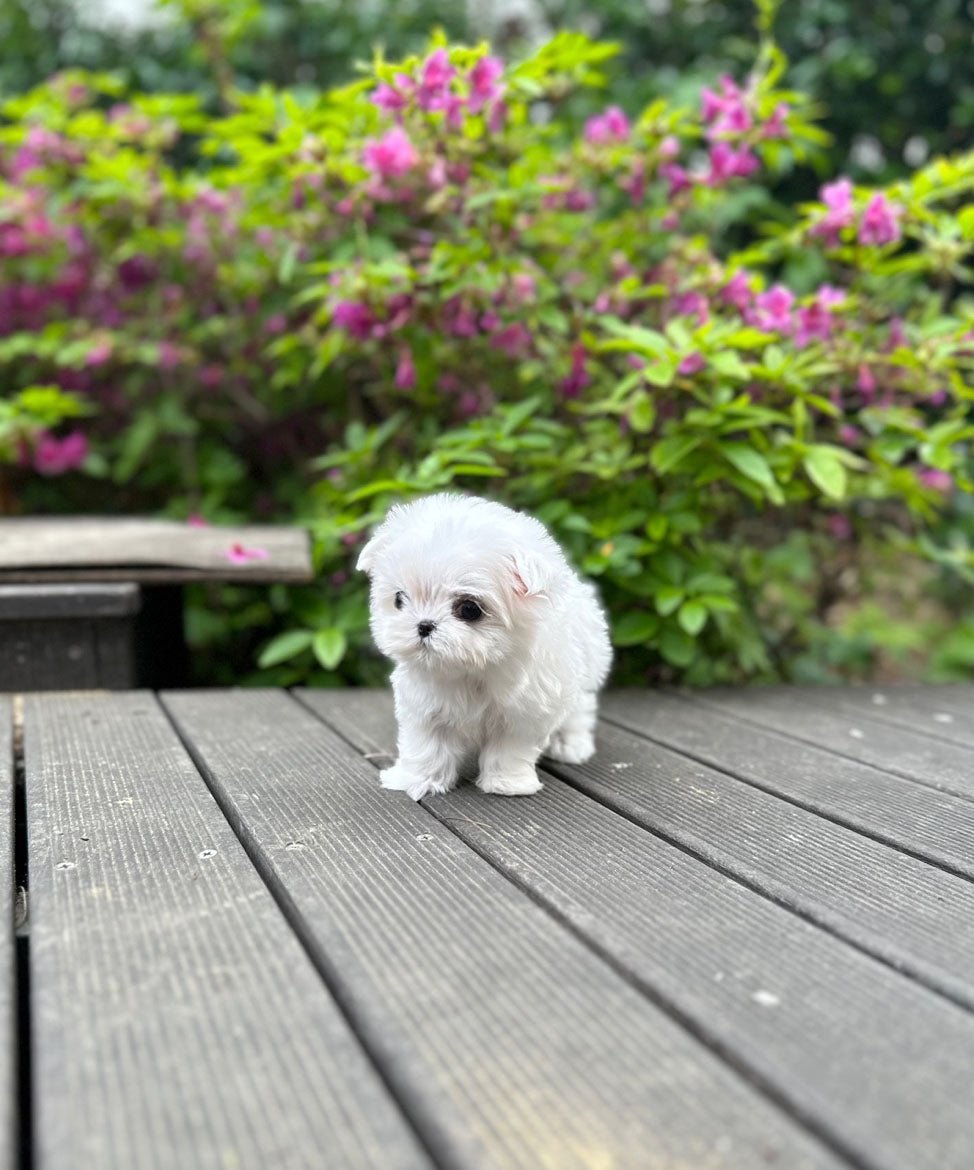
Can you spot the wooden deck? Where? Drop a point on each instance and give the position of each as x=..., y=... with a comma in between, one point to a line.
x=741, y=938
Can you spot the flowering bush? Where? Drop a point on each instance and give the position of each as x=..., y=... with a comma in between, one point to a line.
x=433, y=278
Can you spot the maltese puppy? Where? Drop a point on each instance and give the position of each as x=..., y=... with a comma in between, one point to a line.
x=500, y=648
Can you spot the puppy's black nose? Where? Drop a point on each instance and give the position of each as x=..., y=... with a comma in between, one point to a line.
x=426, y=628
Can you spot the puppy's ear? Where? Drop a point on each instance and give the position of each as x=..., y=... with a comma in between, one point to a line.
x=379, y=539
x=367, y=557
x=532, y=573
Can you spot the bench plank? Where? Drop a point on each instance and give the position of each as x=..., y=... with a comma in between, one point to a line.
x=807, y=1014
x=933, y=825
x=177, y=1020
x=107, y=548
x=513, y=1043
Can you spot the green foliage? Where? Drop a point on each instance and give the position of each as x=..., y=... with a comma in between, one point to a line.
x=306, y=306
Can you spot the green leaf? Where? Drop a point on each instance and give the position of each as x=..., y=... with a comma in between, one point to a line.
x=692, y=617
x=634, y=629
x=671, y=451
x=749, y=462
x=285, y=646
x=642, y=414
x=677, y=647
x=825, y=469
x=668, y=597
x=515, y=415
x=329, y=647
x=656, y=526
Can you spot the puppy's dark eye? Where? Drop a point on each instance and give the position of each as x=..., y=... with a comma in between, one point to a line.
x=468, y=611
x=399, y=600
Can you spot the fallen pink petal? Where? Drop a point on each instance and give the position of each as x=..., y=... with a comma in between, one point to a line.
x=239, y=554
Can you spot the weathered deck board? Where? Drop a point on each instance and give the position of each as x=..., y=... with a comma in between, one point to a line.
x=943, y=712
x=913, y=915
x=512, y=1044
x=936, y=826
x=853, y=725
x=8, y=999
x=177, y=1021
x=805, y=1013
x=109, y=548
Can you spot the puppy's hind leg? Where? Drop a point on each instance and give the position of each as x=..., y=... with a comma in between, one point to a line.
x=574, y=741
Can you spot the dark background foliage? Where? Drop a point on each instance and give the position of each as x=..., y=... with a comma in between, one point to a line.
x=895, y=78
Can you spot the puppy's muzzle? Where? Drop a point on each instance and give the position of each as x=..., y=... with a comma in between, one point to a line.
x=424, y=629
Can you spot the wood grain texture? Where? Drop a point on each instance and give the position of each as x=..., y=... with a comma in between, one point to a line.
x=908, y=913
x=18, y=602
x=111, y=549
x=816, y=716
x=9, y=1136
x=804, y=1012
x=936, y=826
x=923, y=714
x=177, y=1021
x=512, y=1044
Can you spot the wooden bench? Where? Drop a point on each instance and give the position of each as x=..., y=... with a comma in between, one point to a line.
x=742, y=937
x=97, y=601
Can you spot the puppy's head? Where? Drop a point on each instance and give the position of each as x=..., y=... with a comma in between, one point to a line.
x=455, y=584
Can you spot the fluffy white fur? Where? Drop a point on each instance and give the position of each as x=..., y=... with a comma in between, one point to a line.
x=517, y=682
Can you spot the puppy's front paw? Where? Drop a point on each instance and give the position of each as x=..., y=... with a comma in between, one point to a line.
x=401, y=779
x=514, y=782
x=571, y=747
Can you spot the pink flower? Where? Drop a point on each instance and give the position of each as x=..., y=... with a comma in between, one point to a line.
x=940, y=481
x=775, y=126
x=524, y=287
x=726, y=111
x=816, y=319
x=737, y=291
x=354, y=317
x=849, y=435
x=388, y=98
x=866, y=380
x=840, y=526
x=459, y=319
x=239, y=554
x=195, y=520
x=610, y=126
x=54, y=456
x=693, y=363
x=436, y=75
x=169, y=355
x=635, y=185
x=437, y=172
x=392, y=155
x=669, y=148
x=483, y=82
x=880, y=223
x=897, y=334
x=773, y=309
x=676, y=177
x=578, y=376
x=837, y=198
x=726, y=162
x=514, y=340
x=692, y=304
x=497, y=116
x=405, y=370
x=99, y=353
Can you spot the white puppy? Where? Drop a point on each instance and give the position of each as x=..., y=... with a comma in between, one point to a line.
x=500, y=647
